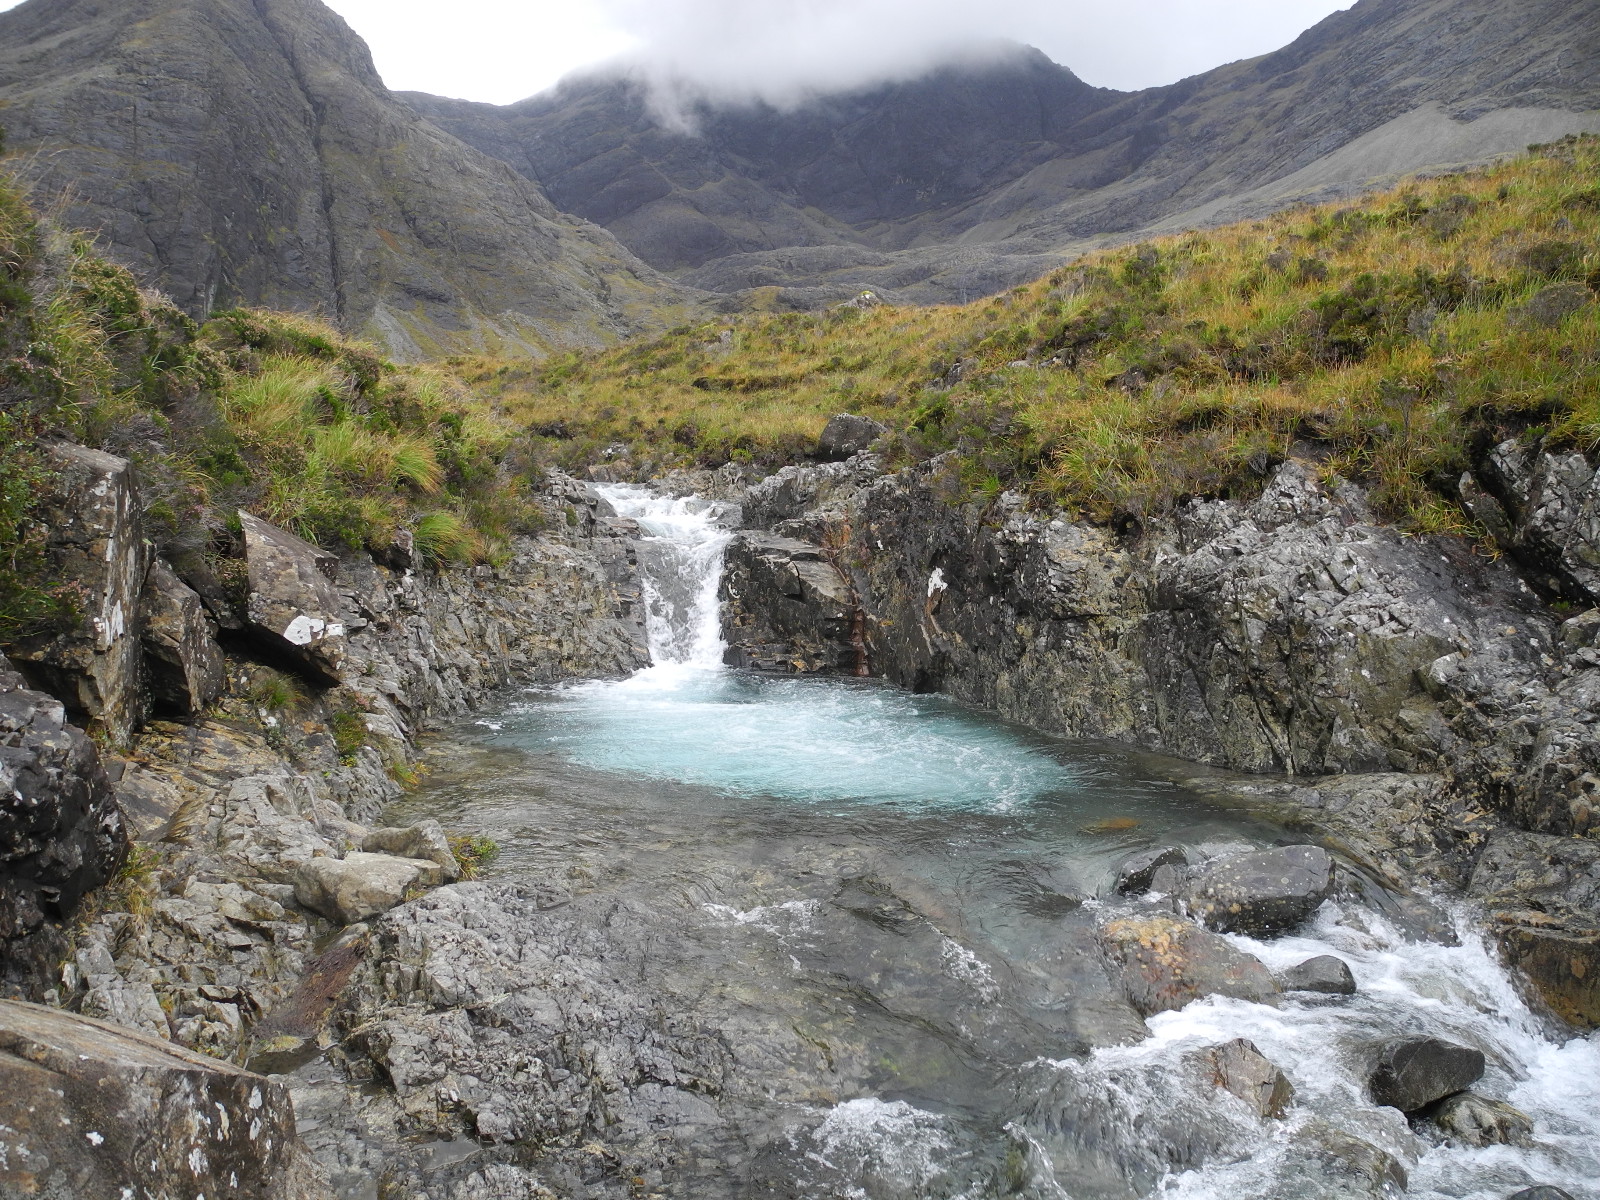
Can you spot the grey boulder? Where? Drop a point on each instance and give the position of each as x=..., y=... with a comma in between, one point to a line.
x=360, y=886
x=1239, y=1067
x=1261, y=893
x=847, y=435
x=91, y=1109
x=1469, y=1119
x=1412, y=1073
x=1137, y=873
x=1325, y=973
x=184, y=662
x=1542, y=1192
x=425, y=840
x=1166, y=963
x=294, y=607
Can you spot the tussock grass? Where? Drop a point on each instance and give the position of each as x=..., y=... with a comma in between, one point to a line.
x=1390, y=341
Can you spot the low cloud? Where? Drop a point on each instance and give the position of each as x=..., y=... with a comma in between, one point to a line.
x=784, y=51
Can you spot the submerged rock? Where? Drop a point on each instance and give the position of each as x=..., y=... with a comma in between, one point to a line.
x=1469, y=1119
x=1239, y=1067
x=1261, y=893
x=93, y=1110
x=1137, y=874
x=1167, y=963
x=1413, y=1073
x=1325, y=973
x=1327, y=1163
x=360, y=885
x=1542, y=1192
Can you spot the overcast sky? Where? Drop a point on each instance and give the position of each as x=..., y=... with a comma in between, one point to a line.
x=504, y=50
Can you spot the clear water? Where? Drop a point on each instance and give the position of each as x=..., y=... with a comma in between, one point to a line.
x=975, y=1047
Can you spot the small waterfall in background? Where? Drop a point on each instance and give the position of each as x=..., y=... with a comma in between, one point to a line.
x=680, y=560
x=707, y=780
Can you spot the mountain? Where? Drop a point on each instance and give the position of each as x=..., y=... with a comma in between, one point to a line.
x=246, y=152
x=981, y=176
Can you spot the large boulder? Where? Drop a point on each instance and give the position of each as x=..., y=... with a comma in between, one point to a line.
x=1326, y=973
x=360, y=885
x=184, y=662
x=1412, y=1073
x=1239, y=1067
x=97, y=550
x=61, y=832
x=1261, y=893
x=93, y=1110
x=294, y=608
x=847, y=435
x=1167, y=963
x=424, y=840
x=1469, y=1119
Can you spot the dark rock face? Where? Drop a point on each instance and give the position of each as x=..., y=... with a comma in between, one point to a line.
x=1239, y=1067
x=846, y=435
x=97, y=548
x=1262, y=893
x=796, y=610
x=246, y=152
x=1167, y=963
x=1325, y=973
x=61, y=832
x=1414, y=1073
x=1040, y=162
x=91, y=1109
x=182, y=658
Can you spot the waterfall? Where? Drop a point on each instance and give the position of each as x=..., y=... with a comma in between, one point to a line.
x=680, y=568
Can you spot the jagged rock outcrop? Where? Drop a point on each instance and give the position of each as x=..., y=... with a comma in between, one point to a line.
x=293, y=606
x=996, y=169
x=1432, y=702
x=90, y=1109
x=61, y=832
x=182, y=658
x=246, y=152
x=97, y=550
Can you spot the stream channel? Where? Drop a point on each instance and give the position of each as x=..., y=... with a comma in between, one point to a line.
x=913, y=888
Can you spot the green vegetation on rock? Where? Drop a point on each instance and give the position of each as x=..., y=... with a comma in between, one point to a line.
x=1389, y=340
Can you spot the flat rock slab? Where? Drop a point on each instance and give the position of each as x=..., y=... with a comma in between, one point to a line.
x=1413, y=1073
x=1261, y=893
x=1167, y=963
x=360, y=886
x=94, y=1110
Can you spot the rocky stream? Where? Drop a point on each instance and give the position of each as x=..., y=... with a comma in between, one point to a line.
x=853, y=843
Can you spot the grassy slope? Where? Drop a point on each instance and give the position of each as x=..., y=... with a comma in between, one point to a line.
x=1389, y=340
x=263, y=411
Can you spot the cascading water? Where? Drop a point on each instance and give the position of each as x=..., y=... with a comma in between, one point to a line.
x=910, y=888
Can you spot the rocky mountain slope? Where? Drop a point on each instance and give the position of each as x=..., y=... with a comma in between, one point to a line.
x=246, y=151
x=977, y=178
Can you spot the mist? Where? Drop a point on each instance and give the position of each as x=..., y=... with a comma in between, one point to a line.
x=783, y=52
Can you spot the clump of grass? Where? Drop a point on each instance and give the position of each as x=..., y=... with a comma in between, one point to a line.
x=445, y=537
x=473, y=853
x=275, y=693
x=350, y=734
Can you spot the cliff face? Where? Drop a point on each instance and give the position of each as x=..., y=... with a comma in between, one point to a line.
x=246, y=152
x=975, y=179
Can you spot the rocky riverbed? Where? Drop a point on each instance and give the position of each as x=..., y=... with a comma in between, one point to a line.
x=940, y=977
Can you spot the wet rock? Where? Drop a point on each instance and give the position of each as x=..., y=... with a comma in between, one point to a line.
x=1469, y=1119
x=791, y=609
x=1412, y=1073
x=1561, y=961
x=96, y=547
x=1166, y=963
x=61, y=832
x=1325, y=973
x=360, y=886
x=425, y=840
x=1261, y=893
x=1327, y=1163
x=294, y=608
x=1542, y=1192
x=847, y=435
x=90, y=1109
x=876, y=902
x=183, y=660
x=1239, y=1067
x=1136, y=874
